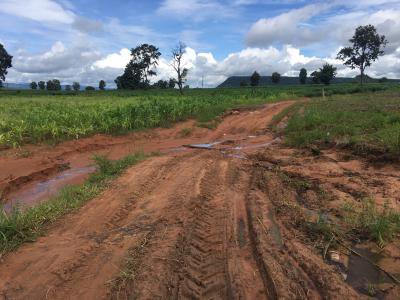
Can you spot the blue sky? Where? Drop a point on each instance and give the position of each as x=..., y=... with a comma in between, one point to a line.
x=87, y=40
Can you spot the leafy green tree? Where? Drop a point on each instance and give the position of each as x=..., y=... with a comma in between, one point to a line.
x=171, y=83
x=367, y=46
x=102, y=85
x=303, y=76
x=42, y=85
x=177, y=64
x=76, y=86
x=89, y=88
x=243, y=83
x=68, y=88
x=255, y=79
x=140, y=68
x=5, y=63
x=161, y=84
x=325, y=74
x=276, y=77
x=33, y=85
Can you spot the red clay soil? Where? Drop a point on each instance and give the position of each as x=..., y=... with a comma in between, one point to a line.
x=197, y=224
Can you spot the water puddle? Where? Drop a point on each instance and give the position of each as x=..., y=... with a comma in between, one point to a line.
x=207, y=146
x=47, y=188
x=365, y=277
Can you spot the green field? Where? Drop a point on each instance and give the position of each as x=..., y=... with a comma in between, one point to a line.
x=368, y=123
x=36, y=116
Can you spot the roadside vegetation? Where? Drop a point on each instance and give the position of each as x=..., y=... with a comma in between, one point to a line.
x=42, y=116
x=368, y=123
x=25, y=225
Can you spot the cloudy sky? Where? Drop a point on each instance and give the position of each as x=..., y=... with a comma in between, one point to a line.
x=89, y=40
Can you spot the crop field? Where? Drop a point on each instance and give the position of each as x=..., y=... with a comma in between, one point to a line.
x=34, y=116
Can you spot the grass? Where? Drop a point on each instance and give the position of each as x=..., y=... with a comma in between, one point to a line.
x=367, y=123
x=41, y=116
x=21, y=226
x=369, y=222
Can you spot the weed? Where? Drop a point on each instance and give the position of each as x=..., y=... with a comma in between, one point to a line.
x=185, y=132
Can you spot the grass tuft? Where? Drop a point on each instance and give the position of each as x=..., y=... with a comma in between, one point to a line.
x=20, y=226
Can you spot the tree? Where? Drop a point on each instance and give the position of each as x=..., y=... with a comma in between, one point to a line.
x=5, y=63
x=303, y=76
x=367, y=46
x=33, y=85
x=53, y=85
x=102, y=85
x=315, y=77
x=255, y=79
x=171, y=83
x=68, y=88
x=76, y=86
x=89, y=88
x=276, y=77
x=140, y=68
x=161, y=84
x=324, y=74
x=42, y=85
x=177, y=64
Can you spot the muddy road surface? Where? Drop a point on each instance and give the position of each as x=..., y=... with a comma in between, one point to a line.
x=220, y=221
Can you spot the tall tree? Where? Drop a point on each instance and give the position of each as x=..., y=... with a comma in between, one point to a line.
x=255, y=79
x=102, y=85
x=303, y=76
x=5, y=63
x=367, y=46
x=76, y=86
x=33, y=85
x=140, y=68
x=42, y=85
x=178, y=65
x=276, y=77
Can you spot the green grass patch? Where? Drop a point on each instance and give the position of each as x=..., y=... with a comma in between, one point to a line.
x=21, y=226
x=365, y=122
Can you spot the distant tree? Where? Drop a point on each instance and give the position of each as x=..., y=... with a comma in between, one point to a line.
x=102, y=85
x=382, y=80
x=33, y=85
x=255, y=79
x=186, y=87
x=243, y=83
x=68, y=88
x=76, y=86
x=303, y=76
x=89, y=88
x=171, y=83
x=53, y=85
x=161, y=84
x=177, y=64
x=50, y=85
x=276, y=77
x=325, y=74
x=5, y=63
x=367, y=46
x=315, y=77
x=140, y=68
x=42, y=85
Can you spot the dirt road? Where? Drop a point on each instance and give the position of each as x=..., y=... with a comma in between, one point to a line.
x=195, y=224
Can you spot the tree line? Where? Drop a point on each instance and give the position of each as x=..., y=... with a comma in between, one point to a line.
x=366, y=47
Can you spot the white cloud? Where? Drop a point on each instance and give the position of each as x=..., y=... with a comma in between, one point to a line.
x=38, y=10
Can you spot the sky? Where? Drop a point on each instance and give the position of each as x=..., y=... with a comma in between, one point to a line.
x=90, y=40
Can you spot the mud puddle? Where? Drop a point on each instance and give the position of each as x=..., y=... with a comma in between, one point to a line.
x=43, y=190
x=364, y=276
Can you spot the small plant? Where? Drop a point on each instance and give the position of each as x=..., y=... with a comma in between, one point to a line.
x=185, y=132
